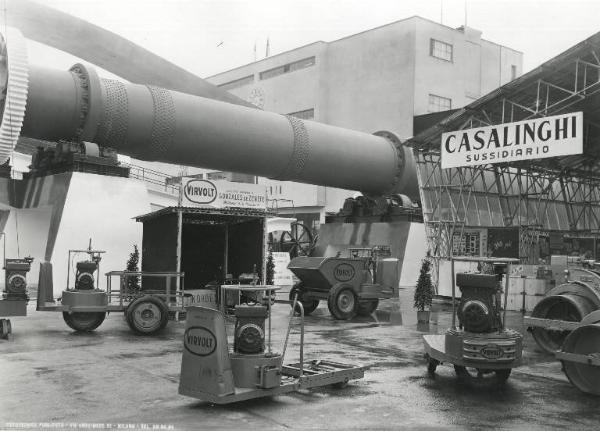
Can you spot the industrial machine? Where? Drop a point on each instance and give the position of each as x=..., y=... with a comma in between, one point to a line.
x=76, y=156
x=14, y=299
x=84, y=292
x=210, y=371
x=395, y=207
x=566, y=323
x=158, y=124
x=84, y=305
x=350, y=285
x=480, y=347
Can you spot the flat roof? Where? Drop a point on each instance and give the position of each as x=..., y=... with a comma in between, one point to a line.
x=321, y=42
x=569, y=82
x=213, y=216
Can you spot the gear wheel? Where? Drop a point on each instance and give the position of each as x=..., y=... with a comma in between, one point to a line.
x=16, y=86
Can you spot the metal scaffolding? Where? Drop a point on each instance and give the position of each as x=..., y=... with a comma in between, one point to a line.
x=539, y=198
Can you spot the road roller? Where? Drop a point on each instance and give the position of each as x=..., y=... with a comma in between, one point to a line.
x=566, y=323
x=564, y=307
x=480, y=348
x=214, y=371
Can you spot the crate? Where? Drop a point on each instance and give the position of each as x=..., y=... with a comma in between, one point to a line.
x=514, y=302
x=534, y=286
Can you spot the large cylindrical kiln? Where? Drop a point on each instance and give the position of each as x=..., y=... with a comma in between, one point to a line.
x=156, y=124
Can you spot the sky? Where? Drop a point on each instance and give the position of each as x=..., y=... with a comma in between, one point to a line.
x=210, y=36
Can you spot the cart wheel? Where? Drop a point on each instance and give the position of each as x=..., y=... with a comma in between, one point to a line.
x=340, y=385
x=432, y=365
x=147, y=315
x=468, y=375
x=84, y=321
x=502, y=375
x=5, y=328
x=309, y=305
x=366, y=308
x=342, y=302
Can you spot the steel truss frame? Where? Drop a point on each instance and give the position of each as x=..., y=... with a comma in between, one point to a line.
x=538, y=196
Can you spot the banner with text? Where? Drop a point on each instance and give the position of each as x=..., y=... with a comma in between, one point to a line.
x=537, y=138
x=222, y=194
x=283, y=276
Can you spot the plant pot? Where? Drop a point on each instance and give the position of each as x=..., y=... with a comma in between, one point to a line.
x=423, y=316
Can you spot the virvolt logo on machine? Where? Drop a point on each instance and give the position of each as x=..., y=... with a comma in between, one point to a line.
x=492, y=351
x=199, y=341
x=200, y=191
x=343, y=272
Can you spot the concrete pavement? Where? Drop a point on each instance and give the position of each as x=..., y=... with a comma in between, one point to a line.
x=51, y=377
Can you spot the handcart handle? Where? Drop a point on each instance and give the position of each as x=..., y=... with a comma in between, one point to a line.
x=295, y=303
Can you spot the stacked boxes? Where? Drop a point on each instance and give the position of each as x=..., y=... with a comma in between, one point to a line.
x=526, y=291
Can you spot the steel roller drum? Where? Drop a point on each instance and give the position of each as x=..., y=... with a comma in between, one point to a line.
x=567, y=307
x=585, y=341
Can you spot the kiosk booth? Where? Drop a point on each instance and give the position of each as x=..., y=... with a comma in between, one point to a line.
x=217, y=235
x=211, y=246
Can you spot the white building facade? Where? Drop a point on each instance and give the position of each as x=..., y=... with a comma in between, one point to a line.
x=375, y=80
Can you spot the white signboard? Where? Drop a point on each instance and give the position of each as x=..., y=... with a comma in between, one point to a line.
x=537, y=138
x=222, y=194
x=283, y=276
x=204, y=297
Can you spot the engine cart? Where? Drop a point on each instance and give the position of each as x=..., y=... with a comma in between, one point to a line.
x=481, y=348
x=84, y=305
x=210, y=371
x=351, y=285
x=14, y=298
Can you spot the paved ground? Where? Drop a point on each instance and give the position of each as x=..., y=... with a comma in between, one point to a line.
x=53, y=377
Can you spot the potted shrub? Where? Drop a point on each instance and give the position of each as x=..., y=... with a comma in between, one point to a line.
x=424, y=292
x=132, y=287
x=270, y=273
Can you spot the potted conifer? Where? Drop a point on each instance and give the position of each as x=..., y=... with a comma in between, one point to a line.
x=270, y=273
x=424, y=292
x=132, y=287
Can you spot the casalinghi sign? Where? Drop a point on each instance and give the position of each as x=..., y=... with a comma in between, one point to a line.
x=537, y=138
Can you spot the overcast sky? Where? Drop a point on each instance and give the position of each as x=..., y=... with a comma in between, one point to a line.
x=210, y=36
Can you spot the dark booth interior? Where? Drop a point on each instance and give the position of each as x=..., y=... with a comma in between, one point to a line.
x=216, y=245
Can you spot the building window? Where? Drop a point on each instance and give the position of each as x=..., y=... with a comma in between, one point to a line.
x=513, y=72
x=286, y=68
x=307, y=114
x=439, y=103
x=441, y=50
x=237, y=83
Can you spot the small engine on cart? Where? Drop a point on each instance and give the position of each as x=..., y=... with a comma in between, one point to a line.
x=211, y=372
x=84, y=296
x=479, y=308
x=84, y=275
x=481, y=346
x=14, y=297
x=15, y=276
x=250, y=329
